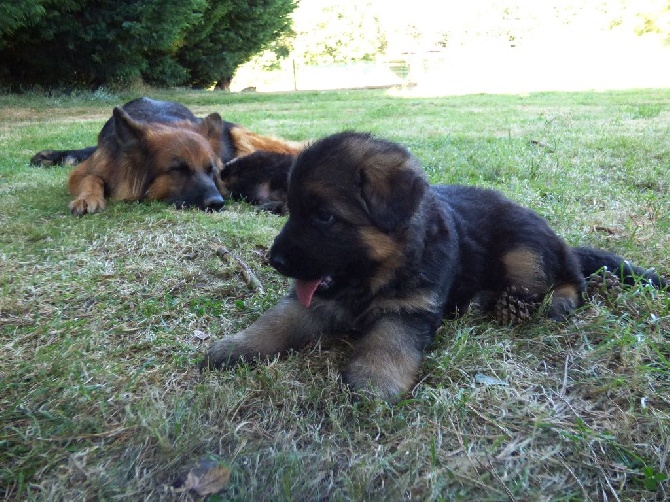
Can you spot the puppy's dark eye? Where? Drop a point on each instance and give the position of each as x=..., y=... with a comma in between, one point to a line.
x=323, y=218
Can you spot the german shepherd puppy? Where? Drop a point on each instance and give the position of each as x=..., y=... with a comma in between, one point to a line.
x=260, y=178
x=157, y=150
x=378, y=253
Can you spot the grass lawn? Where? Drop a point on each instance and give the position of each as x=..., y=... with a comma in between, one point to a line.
x=103, y=319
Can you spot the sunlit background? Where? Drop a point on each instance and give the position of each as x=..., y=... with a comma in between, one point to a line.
x=432, y=47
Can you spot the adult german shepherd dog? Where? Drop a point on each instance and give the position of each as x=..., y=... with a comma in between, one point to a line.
x=157, y=150
x=378, y=253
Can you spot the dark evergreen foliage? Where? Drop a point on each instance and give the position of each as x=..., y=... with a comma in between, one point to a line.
x=93, y=43
x=231, y=33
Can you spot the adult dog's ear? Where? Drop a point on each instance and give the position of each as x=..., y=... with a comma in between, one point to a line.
x=211, y=128
x=392, y=186
x=126, y=129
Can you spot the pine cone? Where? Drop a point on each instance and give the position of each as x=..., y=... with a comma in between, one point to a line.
x=515, y=306
x=602, y=284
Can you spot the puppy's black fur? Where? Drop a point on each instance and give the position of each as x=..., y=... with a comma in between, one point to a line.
x=377, y=252
x=260, y=178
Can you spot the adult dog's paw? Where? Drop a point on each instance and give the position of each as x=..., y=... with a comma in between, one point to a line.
x=45, y=158
x=82, y=205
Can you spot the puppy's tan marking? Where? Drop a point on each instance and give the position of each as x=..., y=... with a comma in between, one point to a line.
x=524, y=268
x=564, y=300
x=263, y=192
x=419, y=301
x=386, y=252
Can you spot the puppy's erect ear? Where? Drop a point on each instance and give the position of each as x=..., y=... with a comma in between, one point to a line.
x=392, y=185
x=126, y=129
x=211, y=128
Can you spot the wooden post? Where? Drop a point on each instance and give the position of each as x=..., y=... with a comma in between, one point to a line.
x=295, y=77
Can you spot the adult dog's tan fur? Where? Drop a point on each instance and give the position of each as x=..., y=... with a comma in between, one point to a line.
x=159, y=150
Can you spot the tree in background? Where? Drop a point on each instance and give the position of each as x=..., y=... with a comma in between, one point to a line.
x=231, y=33
x=655, y=21
x=91, y=43
x=331, y=31
x=15, y=15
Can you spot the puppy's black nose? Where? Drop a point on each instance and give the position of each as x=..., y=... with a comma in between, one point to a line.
x=278, y=261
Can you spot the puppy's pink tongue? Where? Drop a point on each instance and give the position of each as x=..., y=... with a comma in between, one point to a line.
x=305, y=290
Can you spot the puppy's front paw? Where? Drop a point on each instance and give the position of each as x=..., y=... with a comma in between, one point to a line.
x=223, y=354
x=386, y=382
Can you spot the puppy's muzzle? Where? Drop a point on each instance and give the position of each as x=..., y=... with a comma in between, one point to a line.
x=279, y=261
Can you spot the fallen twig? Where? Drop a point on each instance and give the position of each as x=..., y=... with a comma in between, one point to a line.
x=541, y=145
x=247, y=274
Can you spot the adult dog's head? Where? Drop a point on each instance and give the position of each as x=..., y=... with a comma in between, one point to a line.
x=177, y=162
x=351, y=198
